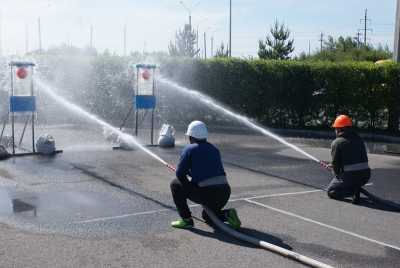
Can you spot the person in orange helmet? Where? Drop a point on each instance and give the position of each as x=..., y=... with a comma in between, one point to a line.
x=349, y=161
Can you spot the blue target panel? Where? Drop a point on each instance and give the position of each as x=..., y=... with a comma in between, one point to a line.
x=22, y=104
x=145, y=102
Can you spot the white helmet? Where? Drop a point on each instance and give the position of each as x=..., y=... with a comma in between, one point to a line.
x=198, y=130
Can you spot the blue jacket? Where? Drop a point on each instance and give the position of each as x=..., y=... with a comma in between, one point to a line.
x=200, y=161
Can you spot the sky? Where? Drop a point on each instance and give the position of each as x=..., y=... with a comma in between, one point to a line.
x=151, y=24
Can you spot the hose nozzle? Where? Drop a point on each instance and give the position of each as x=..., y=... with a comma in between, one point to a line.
x=171, y=167
x=325, y=165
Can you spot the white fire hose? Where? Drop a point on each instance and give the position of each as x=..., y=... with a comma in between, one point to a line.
x=268, y=246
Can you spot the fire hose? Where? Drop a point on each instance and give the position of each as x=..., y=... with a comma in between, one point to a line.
x=259, y=243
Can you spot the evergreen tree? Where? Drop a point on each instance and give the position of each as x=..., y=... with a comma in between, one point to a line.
x=184, y=45
x=277, y=46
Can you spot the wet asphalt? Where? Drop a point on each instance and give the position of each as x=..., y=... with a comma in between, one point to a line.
x=93, y=206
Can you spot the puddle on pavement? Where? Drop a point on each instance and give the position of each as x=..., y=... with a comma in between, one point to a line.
x=5, y=174
x=54, y=206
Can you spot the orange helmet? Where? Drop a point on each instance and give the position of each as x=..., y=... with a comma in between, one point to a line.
x=342, y=121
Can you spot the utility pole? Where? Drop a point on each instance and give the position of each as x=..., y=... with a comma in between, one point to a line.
x=212, y=46
x=357, y=38
x=1, y=35
x=190, y=14
x=197, y=43
x=309, y=47
x=26, y=38
x=39, y=36
x=91, y=37
x=230, y=28
x=321, y=39
x=365, y=29
x=205, y=46
x=396, y=54
x=125, y=40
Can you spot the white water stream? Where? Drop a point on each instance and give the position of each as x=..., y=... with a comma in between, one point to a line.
x=81, y=112
x=217, y=106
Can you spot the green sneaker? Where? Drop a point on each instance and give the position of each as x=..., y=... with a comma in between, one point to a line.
x=183, y=223
x=233, y=219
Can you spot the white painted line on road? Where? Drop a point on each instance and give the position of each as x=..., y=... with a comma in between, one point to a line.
x=231, y=200
x=283, y=194
x=163, y=210
x=123, y=216
x=323, y=224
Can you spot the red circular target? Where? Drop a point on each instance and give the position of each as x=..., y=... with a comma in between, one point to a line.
x=146, y=74
x=22, y=73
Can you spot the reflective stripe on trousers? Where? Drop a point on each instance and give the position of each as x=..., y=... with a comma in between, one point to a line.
x=213, y=181
x=356, y=167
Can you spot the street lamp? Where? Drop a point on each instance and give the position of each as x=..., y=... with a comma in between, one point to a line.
x=205, y=42
x=396, y=54
x=212, y=42
x=230, y=28
x=189, y=11
x=197, y=34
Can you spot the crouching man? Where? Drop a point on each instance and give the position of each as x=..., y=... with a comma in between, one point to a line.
x=349, y=161
x=208, y=186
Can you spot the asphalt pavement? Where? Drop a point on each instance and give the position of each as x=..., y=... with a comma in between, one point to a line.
x=93, y=206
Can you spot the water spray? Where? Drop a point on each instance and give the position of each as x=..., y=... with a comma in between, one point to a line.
x=80, y=111
x=217, y=106
x=130, y=139
x=245, y=120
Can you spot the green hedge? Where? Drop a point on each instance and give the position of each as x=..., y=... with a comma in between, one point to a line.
x=297, y=94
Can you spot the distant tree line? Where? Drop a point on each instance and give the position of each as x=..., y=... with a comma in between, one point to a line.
x=278, y=45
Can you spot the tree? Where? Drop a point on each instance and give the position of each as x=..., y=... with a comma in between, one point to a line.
x=277, y=46
x=184, y=45
x=349, y=49
x=222, y=52
x=343, y=44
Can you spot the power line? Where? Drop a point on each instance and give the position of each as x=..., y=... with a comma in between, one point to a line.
x=365, y=29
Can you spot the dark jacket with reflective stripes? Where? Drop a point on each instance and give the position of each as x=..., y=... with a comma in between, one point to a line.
x=348, y=154
x=201, y=161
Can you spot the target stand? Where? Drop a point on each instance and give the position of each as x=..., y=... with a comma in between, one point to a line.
x=145, y=98
x=22, y=104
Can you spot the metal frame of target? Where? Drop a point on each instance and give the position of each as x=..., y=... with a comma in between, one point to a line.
x=145, y=98
x=22, y=98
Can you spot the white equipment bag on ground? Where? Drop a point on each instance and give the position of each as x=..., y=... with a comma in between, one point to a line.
x=167, y=136
x=46, y=144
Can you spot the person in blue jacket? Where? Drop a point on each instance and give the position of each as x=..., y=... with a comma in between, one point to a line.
x=201, y=178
